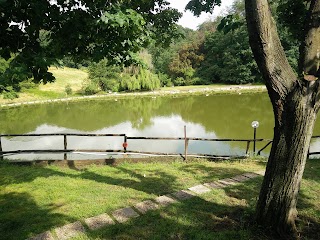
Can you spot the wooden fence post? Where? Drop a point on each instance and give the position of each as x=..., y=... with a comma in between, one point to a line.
x=125, y=143
x=248, y=146
x=65, y=146
x=185, y=143
x=1, y=156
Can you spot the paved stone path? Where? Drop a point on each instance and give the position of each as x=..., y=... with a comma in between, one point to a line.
x=124, y=214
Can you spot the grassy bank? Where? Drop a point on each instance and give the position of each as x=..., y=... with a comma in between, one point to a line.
x=74, y=78
x=35, y=199
x=64, y=76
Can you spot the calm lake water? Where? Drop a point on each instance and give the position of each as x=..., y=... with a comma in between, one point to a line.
x=215, y=116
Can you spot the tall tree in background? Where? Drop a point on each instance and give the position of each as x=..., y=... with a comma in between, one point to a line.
x=34, y=34
x=295, y=98
x=228, y=57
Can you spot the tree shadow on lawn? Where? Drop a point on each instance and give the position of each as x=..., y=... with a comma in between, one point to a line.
x=308, y=223
x=156, y=182
x=21, y=217
x=312, y=170
x=198, y=218
x=203, y=217
x=211, y=173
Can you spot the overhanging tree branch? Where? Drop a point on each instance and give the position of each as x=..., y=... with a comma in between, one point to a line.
x=310, y=47
x=267, y=49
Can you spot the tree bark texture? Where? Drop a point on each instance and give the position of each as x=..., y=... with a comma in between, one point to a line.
x=310, y=47
x=276, y=207
x=295, y=104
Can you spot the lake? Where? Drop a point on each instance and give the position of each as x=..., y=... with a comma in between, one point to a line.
x=214, y=116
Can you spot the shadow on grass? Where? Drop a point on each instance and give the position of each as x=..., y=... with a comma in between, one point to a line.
x=157, y=182
x=21, y=217
x=312, y=170
x=221, y=214
x=210, y=173
x=204, y=217
x=198, y=218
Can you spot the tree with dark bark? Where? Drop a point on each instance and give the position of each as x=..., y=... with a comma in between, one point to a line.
x=295, y=99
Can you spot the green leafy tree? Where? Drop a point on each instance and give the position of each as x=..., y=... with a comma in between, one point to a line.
x=104, y=75
x=113, y=78
x=180, y=60
x=294, y=96
x=228, y=58
x=40, y=32
x=187, y=59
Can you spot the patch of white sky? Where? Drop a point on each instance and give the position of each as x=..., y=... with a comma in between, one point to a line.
x=188, y=20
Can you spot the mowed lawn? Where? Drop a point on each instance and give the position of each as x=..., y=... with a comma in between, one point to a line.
x=36, y=199
x=65, y=76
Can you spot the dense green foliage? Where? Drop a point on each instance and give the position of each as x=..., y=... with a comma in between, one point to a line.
x=209, y=55
x=219, y=51
x=36, y=34
x=106, y=77
x=229, y=59
x=178, y=62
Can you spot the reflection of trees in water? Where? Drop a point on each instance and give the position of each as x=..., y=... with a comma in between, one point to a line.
x=89, y=115
x=141, y=111
x=229, y=116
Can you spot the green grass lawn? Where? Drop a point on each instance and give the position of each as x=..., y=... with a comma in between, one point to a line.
x=35, y=199
x=73, y=77
x=64, y=76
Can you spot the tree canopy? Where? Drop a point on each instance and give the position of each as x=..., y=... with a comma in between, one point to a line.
x=34, y=34
x=219, y=51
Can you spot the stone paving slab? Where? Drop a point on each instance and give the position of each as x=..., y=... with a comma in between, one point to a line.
x=69, y=230
x=199, y=189
x=250, y=175
x=183, y=195
x=124, y=214
x=146, y=206
x=43, y=236
x=240, y=178
x=214, y=185
x=262, y=172
x=99, y=221
x=165, y=200
x=228, y=181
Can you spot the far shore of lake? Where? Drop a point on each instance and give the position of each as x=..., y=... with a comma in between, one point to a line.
x=165, y=91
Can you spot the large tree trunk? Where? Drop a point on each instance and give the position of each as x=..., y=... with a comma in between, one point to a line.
x=276, y=208
x=295, y=104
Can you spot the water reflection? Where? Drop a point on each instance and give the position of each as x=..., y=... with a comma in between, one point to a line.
x=216, y=116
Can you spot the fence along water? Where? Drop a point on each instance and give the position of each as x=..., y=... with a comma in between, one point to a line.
x=126, y=140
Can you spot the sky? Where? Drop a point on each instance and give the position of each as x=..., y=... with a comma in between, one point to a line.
x=190, y=21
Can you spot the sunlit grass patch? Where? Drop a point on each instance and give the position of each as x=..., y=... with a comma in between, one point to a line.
x=47, y=197
x=73, y=77
x=36, y=199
